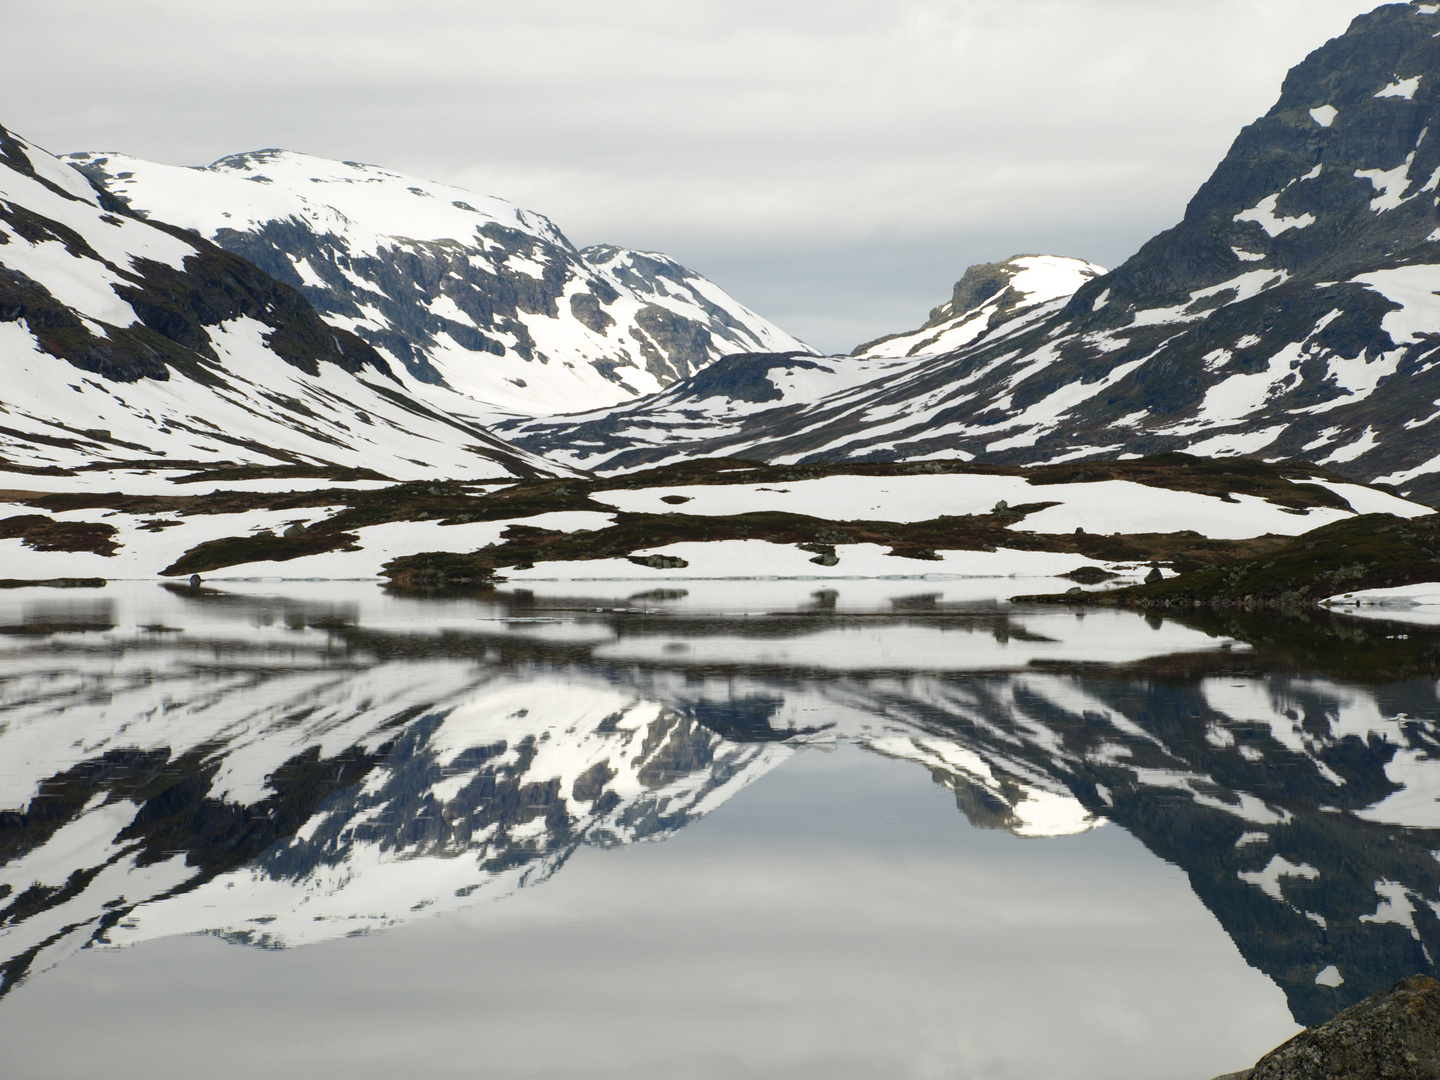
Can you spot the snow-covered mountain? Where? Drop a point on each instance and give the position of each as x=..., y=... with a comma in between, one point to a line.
x=461, y=290
x=133, y=346
x=988, y=295
x=292, y=790
x=1292, y=313
x=792, y=407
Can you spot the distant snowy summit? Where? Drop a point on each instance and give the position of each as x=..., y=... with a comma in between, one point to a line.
x=789, y=407
x=459, y=289
x=987, y=295
x=1293, y=313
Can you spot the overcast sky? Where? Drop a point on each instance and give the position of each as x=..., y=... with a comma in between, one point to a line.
x=835, y=164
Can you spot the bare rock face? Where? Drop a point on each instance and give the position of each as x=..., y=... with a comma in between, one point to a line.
x=1394, y=1035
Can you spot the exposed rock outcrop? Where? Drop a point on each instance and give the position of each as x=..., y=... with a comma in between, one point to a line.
x=1394, y=1035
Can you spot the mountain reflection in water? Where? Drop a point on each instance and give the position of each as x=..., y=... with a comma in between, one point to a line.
x=281, y=769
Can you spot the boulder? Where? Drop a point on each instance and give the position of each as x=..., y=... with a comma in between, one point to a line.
x=1394, y=1035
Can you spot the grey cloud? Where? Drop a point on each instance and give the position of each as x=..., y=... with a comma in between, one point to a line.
x=706, y=129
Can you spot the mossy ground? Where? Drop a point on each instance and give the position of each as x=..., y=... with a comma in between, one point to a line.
x=261, y=547
x=46, y=534
x=451, y=502
x=1373, y=551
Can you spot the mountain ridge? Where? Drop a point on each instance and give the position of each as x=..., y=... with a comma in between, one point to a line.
x=136, y=347
x=462, y=290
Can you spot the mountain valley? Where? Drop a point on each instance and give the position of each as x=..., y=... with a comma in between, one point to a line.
x=1290, y=315
x=368, y=551
x=422, y=333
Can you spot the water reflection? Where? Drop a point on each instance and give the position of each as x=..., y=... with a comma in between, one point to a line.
x=282, y=769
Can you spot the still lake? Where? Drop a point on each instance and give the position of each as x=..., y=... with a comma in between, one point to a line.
x=718, y=829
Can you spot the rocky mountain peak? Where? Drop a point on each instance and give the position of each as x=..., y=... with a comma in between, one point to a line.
x=1341, y=172
x=976, y=285
x=986, y=296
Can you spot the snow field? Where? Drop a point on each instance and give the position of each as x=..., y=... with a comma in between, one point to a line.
x=1099, y=507
x=367, y=204
x=760, y=559
x=1107, y=506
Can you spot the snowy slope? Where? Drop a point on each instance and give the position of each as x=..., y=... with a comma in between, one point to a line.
x=126, y=346
x=788, y=407
x=461, y=290
x=988, y=295
x=1291, y=314
x=746, y=404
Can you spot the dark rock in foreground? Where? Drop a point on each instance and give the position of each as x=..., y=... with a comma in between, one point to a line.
x=1394, y=1035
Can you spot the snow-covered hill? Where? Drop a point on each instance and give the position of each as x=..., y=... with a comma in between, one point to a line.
x=132, y=347
x=988, y=295
x=1291, y=314
x=462, y=290
x=790, y=407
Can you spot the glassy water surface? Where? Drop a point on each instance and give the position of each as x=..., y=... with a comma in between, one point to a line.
x=735, y=829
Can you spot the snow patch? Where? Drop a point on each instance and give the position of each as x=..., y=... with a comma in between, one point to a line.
x=1268, y=880
x=1263, y=214
x=1349, y=452
x=1329, y=976
x=1394, y=907
x=1044, y=813
x=1048, y=277
x=1414, y=288
x=1403, y=88
x=1390, y=183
